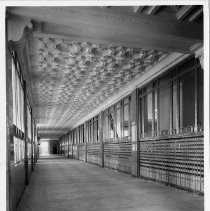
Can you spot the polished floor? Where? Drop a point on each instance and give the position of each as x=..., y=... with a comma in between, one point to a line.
x=60, y=184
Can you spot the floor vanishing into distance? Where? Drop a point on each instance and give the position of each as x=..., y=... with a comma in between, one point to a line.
x=61, y=184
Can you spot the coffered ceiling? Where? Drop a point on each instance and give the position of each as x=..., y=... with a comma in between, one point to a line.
x=84, y=56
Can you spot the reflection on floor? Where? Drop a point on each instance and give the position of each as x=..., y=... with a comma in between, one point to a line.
x=70, y=185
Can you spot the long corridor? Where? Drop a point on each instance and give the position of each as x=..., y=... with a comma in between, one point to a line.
x=63, y=184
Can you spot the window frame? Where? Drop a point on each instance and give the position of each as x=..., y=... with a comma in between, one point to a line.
x=175, y=75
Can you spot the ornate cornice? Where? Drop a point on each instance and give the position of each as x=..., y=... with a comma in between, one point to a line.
x=16, y=27
x=27, y=35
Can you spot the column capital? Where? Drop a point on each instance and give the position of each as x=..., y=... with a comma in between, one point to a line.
x=16, y=26
x=199, y=54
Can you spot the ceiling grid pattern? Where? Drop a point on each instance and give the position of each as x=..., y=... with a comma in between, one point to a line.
x=72, y=78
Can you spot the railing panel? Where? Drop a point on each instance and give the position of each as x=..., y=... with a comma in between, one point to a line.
x=75, y=152
x=93, y=153
x=175, y=161
x=117, y=155
x=81, y=152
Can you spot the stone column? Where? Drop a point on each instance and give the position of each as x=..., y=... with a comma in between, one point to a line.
x=72, y=147
x=32, y=143
x=8, y=108
x=26, y=133
x=134, y=135
x=17, y=29
x=68, y=143
x=85, y=137
x=100, y=138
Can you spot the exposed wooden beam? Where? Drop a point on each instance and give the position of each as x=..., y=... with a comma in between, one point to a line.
x=138, y=9
x=152, y=10
x=184, y=11
x=195, y=15
x=116, y=27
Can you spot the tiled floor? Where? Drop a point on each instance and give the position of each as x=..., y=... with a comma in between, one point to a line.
x=60, y=184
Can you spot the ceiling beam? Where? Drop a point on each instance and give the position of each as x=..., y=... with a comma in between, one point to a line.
x=138, y=9
x=195, y=15
x=118, y=28
x=152, y=10
x=184, y=11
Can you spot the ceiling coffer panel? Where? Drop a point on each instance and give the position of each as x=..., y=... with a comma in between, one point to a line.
x=72, y=78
